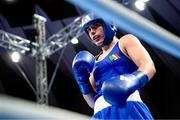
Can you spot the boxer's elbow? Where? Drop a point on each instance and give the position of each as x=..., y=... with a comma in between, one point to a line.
x=148, y=68
x=152, y=70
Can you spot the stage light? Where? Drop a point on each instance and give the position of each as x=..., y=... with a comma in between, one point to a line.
x=15, y=57
x=74, y=40
x=140, y=5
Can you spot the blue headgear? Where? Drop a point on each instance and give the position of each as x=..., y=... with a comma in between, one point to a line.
x=108, y=31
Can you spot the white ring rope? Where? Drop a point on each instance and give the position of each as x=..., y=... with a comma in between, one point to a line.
x=15, y=108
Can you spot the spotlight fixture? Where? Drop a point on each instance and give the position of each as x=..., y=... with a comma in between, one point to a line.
x=74, y=40
x=15, y=57
x=140, y=5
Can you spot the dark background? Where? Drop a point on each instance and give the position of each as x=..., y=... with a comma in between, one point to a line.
x=161, y=94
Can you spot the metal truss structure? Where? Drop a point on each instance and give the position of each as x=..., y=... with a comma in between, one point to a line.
x=15, y=43
x=41, y=65
x=63, y=37
x=41, y=49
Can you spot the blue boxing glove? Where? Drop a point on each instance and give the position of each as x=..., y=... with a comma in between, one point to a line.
x=82, y=66
x=117, y=89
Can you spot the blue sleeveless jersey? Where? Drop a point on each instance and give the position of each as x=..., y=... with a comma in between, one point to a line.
x=114, y=64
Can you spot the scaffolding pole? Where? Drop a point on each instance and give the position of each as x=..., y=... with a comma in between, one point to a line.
x=41, y=65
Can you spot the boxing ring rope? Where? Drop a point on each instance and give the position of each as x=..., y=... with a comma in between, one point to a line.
x=133, y=23
x=15, y=108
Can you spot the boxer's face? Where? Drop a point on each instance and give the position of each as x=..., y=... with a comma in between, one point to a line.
x=96, y=33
